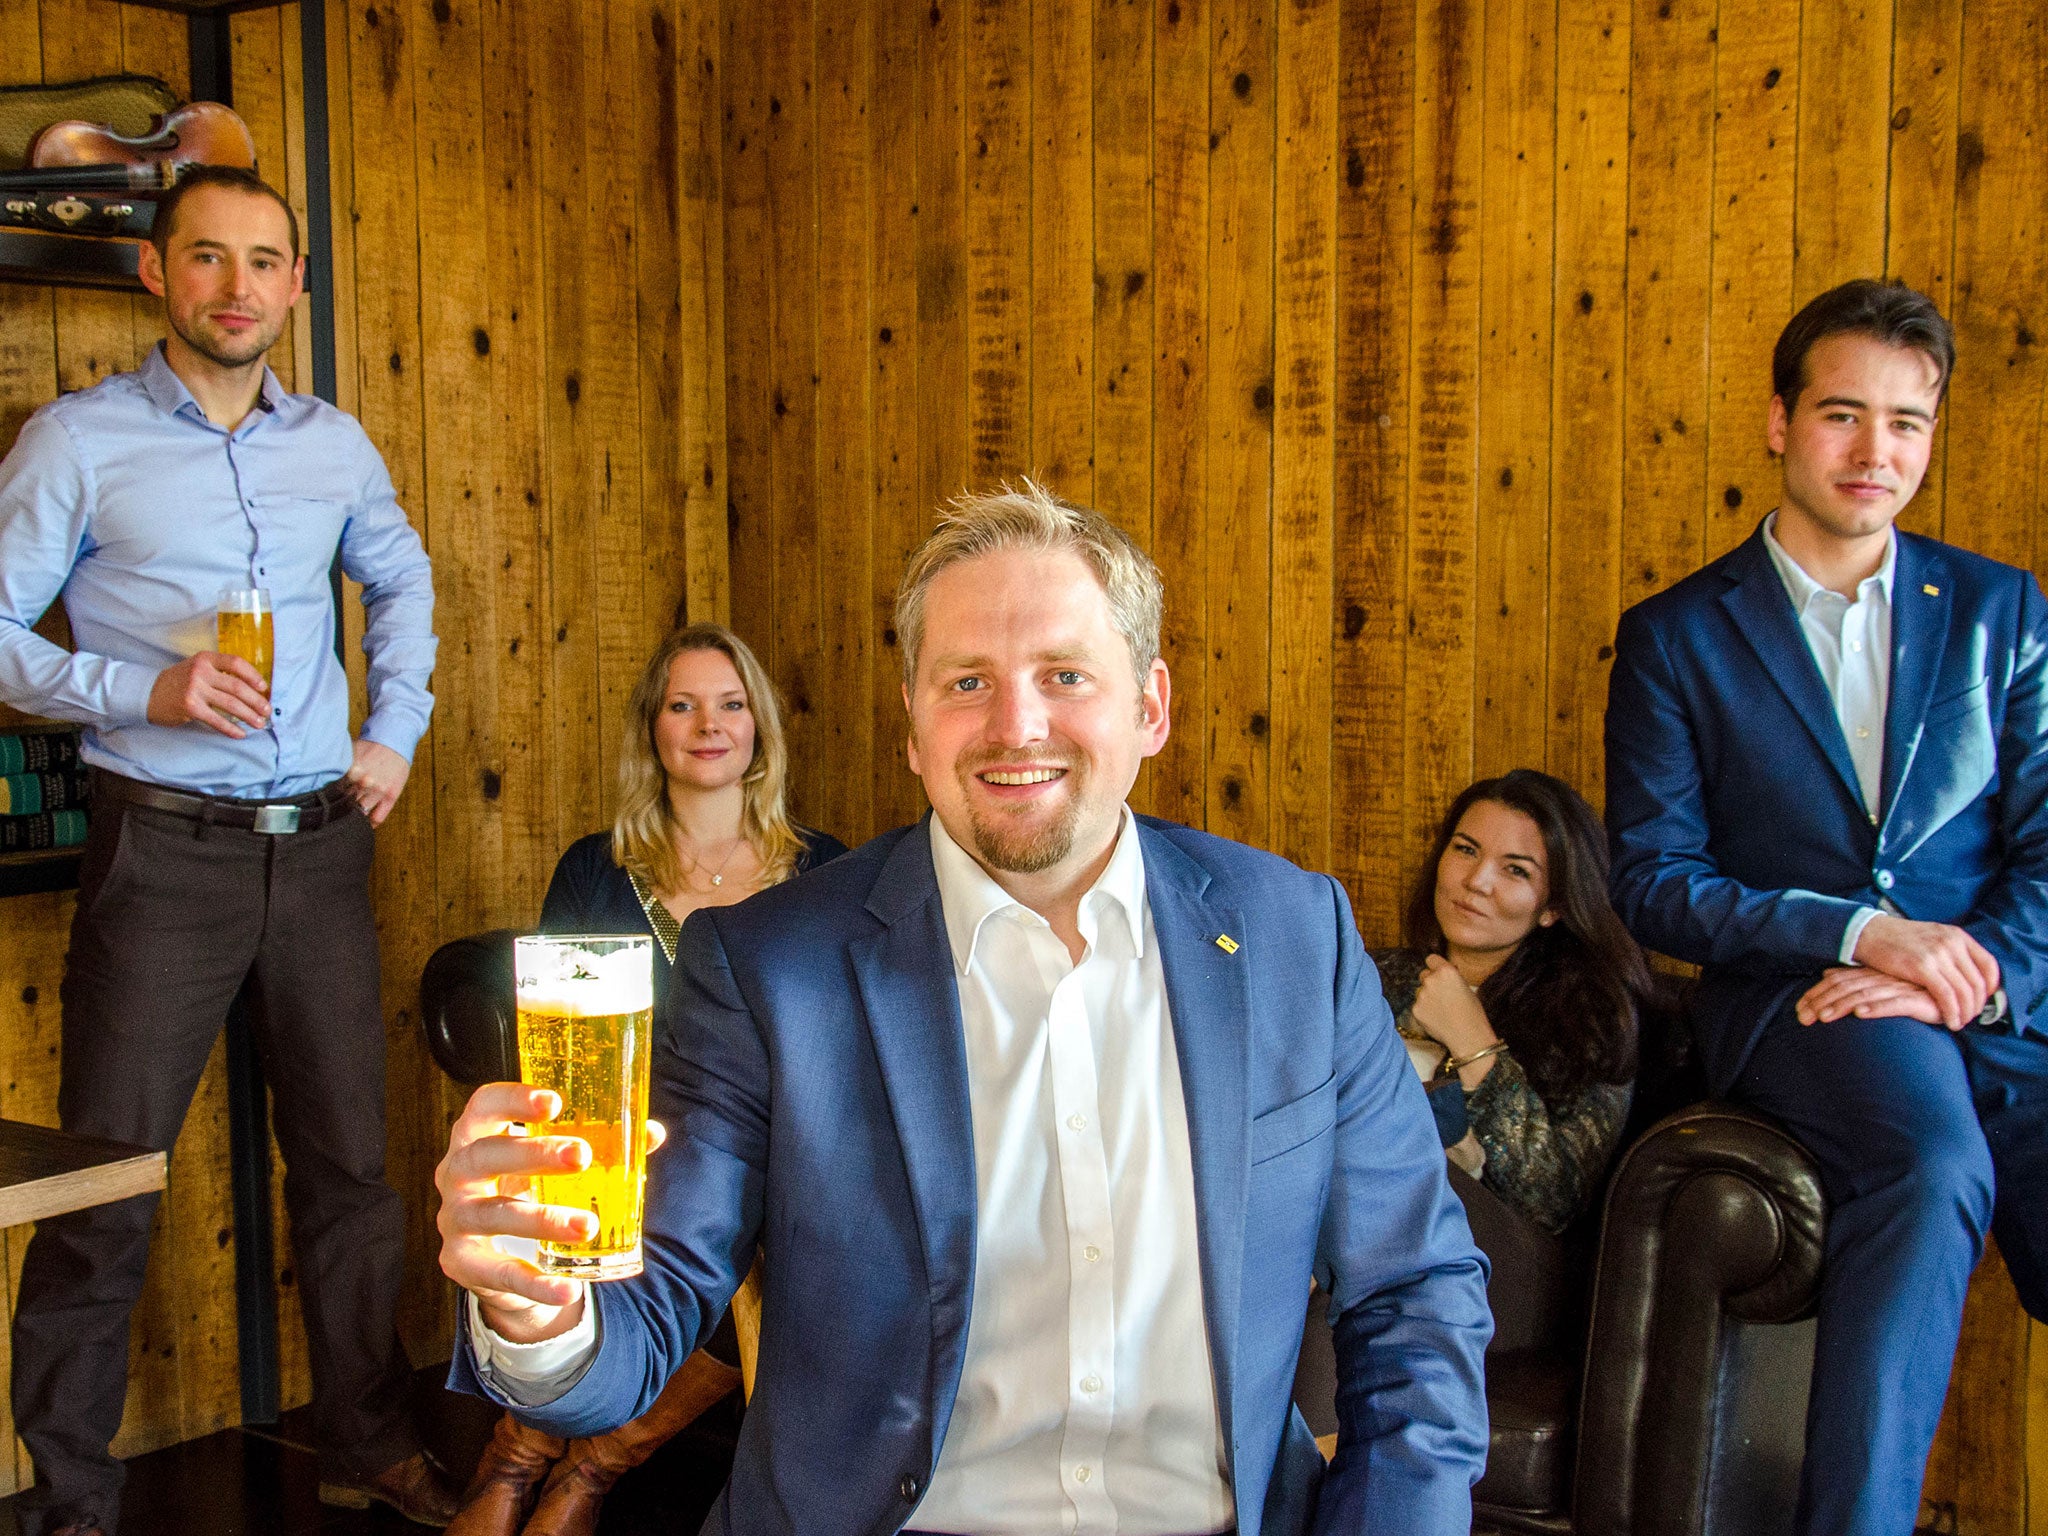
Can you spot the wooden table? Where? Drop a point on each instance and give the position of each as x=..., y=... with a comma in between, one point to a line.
x=46, y=1173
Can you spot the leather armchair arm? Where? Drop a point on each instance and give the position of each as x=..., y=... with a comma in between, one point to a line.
x=1714, y=1218
x=466, y=1008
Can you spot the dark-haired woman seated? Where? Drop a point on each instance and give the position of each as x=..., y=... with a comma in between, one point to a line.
x=701, y=823
x=1519, y=994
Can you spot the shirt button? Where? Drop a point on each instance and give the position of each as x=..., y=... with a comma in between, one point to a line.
x=1855, y=645
x=1862, y=733
x=1077, y=1122
x=1091, y=1253
x=1091, y=1383
x=908, y=1488
x=1082, y=1474
x=1884, y=879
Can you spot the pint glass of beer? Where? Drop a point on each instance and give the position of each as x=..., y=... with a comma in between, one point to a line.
x=586, y=1027
x=243, y=626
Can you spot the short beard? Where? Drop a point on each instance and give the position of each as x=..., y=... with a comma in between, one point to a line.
x=1020, y=851
x=1024, y=853
x=222, y=359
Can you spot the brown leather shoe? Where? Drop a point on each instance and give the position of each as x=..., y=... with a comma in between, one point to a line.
x=576, y=1488
x=416, y=1487
x=507, y=1480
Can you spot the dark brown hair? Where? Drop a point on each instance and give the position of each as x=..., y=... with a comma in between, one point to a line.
x=192, y=178
x=1888, y=312
x=1568, y=998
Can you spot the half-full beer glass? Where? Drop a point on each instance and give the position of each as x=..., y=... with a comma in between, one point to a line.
x=586, y=1025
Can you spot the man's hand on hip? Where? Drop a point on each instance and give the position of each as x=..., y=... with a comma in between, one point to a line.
x=222, y=693
x=376, y=778
x=1956, y=971
x=483, y=1185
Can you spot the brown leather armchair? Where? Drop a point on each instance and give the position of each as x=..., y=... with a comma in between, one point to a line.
x=1677, y=1407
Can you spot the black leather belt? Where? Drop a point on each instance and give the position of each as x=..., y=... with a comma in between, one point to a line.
x=293, y=813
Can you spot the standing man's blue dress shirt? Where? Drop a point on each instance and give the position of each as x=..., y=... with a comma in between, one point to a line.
x=126, y=501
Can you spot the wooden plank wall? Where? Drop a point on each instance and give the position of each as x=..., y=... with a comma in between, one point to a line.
x=530, y=304
x=1415, y=338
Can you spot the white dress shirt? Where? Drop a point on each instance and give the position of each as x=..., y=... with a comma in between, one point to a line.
x=1851, y=642
x=1087, y=1401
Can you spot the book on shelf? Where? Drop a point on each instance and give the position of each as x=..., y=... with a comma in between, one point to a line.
x=44, y=830
x=25, y=794
x=38, y=751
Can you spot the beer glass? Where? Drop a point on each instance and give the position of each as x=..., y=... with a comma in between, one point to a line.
x=586, y=1027
x=243, y=626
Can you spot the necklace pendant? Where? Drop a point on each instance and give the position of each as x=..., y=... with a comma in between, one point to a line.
x=718, y=879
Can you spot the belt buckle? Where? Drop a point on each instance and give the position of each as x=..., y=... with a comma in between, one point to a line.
x=276, y=818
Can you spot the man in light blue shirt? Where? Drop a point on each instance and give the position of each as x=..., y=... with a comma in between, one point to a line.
x=229, y=845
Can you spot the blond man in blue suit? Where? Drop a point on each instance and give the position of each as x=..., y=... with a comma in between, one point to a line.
x=1042, y=1115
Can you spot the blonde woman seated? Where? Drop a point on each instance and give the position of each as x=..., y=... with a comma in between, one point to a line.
x=1519, y=994
x=701, y=823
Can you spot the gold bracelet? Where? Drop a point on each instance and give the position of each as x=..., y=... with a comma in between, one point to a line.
x=1459, y=1063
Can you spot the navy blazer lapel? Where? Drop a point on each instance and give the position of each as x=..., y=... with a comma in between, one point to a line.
x=1763, y=616
x=1208, y=992
x=1920, y=608
x=907, y=988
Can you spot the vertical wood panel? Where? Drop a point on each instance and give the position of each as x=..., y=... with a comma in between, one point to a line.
x=1238, y=525
x=1304, y=463
x=792, y=249
x=659, y=332
x=1518, y=192
x=845, y=736
x=519, y=479
x=1755, y=139
x=1844, y=51
x=1062, y=235
x=1180, y=388
x=898, y=516
x=1588, y=375
x=998, y=239
x=1375, y=246
x=1920, y=226
x=1442, y=533
x=700, y=275
x=747, y=387
x=1670, y=201
x=1123, y=264
x=942, y=362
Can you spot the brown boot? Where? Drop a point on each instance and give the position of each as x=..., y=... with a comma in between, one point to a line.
x=507, y=1480
x=585, y=1474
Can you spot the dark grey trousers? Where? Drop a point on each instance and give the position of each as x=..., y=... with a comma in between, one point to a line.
x=175, y=918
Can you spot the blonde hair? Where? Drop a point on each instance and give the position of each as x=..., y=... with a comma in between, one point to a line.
x=1031, y=518
x=643, y=835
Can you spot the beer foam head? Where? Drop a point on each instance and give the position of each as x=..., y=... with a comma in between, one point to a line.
x=579, y=984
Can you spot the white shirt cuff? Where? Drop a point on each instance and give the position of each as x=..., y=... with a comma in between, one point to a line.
x=1854, y=932
x=533, y=1374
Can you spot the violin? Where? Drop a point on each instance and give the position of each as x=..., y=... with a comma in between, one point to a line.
x=92, y=157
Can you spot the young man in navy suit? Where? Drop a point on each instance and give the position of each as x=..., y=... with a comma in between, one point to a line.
x=1042, y=1114
x=1826, y=786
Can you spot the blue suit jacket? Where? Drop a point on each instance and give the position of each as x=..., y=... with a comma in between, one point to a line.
x=817, y=1080
x=1740, y=838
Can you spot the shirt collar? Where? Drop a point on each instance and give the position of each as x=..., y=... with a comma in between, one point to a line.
x=969, y=897
x=161, y=383
x=1803, y=588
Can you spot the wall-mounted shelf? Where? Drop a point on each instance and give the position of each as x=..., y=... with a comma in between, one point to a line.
x=72, y=261
x=48, y=869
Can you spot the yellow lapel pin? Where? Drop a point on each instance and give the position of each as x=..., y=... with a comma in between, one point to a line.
x=1931, y=591
x=1226, y=943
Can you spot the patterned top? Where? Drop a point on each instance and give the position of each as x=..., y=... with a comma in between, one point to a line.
x=1547, y=1158
x=667, y=931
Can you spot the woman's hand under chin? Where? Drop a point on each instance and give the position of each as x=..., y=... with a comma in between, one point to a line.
x=1449, y=1010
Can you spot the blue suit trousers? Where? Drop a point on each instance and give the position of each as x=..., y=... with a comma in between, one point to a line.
x=1925, y=1141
